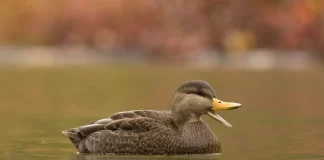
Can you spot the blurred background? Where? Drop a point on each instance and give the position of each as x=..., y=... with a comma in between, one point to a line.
x=65, y=63
x=261, y=34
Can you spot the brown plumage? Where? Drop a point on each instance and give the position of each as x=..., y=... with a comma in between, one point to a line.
x=179, y=131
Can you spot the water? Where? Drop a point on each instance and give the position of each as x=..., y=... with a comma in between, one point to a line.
x=282, y=116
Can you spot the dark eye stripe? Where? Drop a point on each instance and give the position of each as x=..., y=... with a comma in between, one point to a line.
x=203, y=94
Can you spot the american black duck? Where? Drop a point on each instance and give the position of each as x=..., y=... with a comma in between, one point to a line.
x=179, y=131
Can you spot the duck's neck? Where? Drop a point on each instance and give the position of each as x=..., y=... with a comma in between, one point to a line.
x=180, y=114
x=182, y=118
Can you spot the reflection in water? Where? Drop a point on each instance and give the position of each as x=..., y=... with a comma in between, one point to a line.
x=137, y=157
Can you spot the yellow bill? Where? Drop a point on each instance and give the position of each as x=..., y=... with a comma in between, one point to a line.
x=221, y=105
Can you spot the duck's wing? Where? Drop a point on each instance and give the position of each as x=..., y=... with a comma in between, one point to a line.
x=154, y=114
x=136, y=120
x=140, y=124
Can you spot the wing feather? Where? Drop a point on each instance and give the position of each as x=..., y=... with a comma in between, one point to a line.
x=136, y=120
x=142, y=124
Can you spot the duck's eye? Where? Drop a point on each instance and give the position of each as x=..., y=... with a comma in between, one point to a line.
x=199, y=93
x=220, y=102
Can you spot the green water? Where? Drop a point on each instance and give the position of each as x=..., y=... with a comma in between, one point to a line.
x=281, y=118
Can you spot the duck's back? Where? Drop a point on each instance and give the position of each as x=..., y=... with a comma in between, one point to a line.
x=130, y=132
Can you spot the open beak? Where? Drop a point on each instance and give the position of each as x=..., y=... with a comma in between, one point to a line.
x=221, y=105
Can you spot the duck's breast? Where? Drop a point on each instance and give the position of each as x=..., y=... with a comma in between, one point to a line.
x=197, y=138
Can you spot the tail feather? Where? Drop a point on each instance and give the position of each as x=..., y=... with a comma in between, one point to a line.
x=72, y=134
x=76, y=138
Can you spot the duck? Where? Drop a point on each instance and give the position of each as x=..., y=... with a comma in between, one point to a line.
x=178, y=131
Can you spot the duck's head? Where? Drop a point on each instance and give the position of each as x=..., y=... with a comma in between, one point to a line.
x=196, y=98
